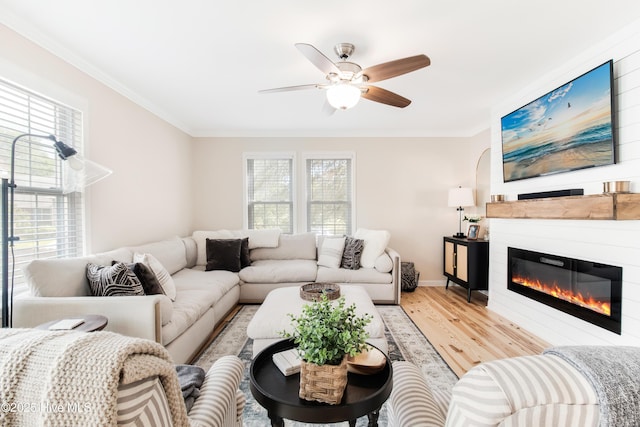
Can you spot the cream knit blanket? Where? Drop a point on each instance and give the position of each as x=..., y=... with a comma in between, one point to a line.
x=67, y=378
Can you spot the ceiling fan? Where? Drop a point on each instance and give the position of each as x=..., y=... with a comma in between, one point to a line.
x=347, y=82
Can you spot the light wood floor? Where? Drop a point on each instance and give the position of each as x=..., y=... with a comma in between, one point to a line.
x=466, y=334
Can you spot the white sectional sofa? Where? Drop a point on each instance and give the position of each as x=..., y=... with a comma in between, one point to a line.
x=292, y=260
x=60, y=288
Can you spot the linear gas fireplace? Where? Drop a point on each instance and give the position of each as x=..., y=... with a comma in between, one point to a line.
x=585, y=289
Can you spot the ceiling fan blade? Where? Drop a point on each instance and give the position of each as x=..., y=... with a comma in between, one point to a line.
x=291, y=88
x=396, y=68
x=384, y=96
x=318, y=59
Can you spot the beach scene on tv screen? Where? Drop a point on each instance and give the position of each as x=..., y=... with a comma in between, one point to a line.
x=568, y=128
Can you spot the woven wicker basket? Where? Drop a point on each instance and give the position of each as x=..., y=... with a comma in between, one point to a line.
x=323, y=383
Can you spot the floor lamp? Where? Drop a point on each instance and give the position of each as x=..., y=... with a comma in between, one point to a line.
x=459, y=198
x=82, y=173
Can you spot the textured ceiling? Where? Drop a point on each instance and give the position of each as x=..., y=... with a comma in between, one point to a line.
x=199, y=63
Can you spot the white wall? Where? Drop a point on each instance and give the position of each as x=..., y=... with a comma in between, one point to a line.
x=401, y=186
x=611, y=242
x=166, y=183
x=149, y=196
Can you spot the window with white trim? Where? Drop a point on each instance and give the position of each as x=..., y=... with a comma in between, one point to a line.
x=329, y=193
x=48, y=223
x=269, y=191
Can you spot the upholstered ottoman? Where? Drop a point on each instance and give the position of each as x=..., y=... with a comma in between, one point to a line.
x=273, y=315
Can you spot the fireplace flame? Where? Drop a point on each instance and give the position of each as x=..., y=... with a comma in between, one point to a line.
x=589, y=302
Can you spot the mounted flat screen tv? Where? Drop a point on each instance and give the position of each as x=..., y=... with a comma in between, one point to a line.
x=569, y=128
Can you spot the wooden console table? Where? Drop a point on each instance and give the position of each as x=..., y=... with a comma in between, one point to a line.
x=466, y=262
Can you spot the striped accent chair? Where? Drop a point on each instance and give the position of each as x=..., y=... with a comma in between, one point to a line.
x=220, y=403
x=540, y=390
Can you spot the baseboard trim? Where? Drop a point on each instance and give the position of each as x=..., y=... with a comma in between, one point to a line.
x=441, y=282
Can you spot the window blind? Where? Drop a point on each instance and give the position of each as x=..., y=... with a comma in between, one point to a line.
x=329, y=198
x=48, y=223
x=270, y=193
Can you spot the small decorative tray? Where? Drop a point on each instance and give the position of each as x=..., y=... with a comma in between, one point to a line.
x=314, y=291
x=368, y=362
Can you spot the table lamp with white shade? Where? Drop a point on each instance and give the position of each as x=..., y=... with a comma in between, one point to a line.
x=460, y=198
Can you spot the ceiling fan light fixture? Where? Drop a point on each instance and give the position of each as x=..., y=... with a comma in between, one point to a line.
x=343, y=96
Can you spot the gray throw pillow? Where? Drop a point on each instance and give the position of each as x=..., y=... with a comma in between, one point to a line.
x=224, y=254
x=115, y=280
x=352, y=253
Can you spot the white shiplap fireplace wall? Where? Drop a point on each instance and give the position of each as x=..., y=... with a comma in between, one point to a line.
x=610, y=242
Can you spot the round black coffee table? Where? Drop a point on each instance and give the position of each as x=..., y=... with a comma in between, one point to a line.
x=278, y=394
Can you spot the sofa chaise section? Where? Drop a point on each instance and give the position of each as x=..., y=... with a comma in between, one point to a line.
x=59, y=288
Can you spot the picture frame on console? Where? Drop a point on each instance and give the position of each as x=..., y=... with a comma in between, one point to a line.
x=473, y=232
x=569, y=128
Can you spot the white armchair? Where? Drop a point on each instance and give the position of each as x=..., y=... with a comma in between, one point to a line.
x=521, y=391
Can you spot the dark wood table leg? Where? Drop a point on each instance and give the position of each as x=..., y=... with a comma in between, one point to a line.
x=276, y=421
x=373, y=418
x=352, y=423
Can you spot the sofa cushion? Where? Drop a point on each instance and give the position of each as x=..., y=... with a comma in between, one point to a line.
x=191, y=251
x=384, y=263
x=115, y=280
x=219, y=282
x=224, y=254
x=352, y=253
x=168, y=287
x=197, y=291
x=45, y=276
x=290, y=246
x=171, y=253
x=330, y=251
x=280, y=271
x=187, y=309
x=375, y=242
x=268, y=238
x=344, y=275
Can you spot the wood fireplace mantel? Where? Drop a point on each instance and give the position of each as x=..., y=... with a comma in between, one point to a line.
x=620, y=206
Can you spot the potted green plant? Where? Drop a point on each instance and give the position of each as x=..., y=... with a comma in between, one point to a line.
x=473, y=219
x=326, y=333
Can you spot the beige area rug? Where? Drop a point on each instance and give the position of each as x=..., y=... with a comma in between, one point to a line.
x=405, y=340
